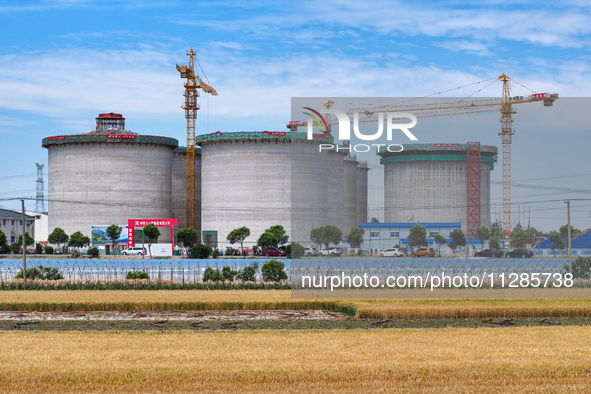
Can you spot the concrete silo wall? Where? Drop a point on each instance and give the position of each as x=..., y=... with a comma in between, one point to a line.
x=350, y=193
x=245, y=183
x=425, y=191
x=309, y=189
x=361, y=205
x=100, y=183
x=336, y=185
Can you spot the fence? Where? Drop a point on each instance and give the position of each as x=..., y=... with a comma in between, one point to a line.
x=191, y=271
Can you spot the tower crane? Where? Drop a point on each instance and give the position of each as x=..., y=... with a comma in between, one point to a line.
x=191, y=107
x=504, y=105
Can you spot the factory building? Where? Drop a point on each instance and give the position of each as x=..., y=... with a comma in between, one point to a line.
x=444, y=183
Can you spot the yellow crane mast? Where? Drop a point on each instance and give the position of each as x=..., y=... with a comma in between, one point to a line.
x=191, y=107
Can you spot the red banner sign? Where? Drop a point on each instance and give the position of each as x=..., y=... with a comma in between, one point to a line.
x=275, y=132
x=490, y=146
x=132, y=223
x=321, y=135
x=130, y=136
x=58, y=137
x=446, y=144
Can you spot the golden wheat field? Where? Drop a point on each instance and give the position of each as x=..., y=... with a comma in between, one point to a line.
x=281, y=299
x=547, y=359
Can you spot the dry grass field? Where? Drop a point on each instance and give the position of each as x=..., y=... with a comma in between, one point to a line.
x=548, y=359
x=281, y=299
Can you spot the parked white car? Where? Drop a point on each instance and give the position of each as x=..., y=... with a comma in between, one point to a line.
x=330, y=252
x=136, y=250
x=310, y=251
x=392, y=252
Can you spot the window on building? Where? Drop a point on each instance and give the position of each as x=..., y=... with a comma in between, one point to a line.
x=13, y=222
x=434, y=233
x=394, y=234
x=374, y=234
x=20, y=223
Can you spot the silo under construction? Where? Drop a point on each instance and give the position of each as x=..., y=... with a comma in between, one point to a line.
x=439, y=183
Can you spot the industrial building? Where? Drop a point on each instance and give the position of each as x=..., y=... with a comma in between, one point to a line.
x=444, y=183
x=380, y=236
x=11, y=224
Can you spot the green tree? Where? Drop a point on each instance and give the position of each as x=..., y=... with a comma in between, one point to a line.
x=78, y=240
x=326, y=235
x=581, y=268
x=187, y=237
x=517, y=227
x=28, y=240
x=199, y=251
x=247, y=274
x=457, y=239
x=152, y=232
x=38, y=248
x=238, y=236
x=496, y=229
x=493, y=243
x=137, y=275
x=564, y=230
x=212, y=275
x=228, y=274
x=273, y=271
x=439, y=240
x=114, y=232
x=374, y=220
x=355, y=237
x=280, y=233
x=519, y=238
x=58, y=237
x=41, y=272
x=417, y=237
x=15, y=248
x=93, y=252
x=4, y=248
x=297, y=251
x=272, y=237
x=557, y=242
x=483, y=234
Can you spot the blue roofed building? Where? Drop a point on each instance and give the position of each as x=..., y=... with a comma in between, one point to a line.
x=581, y=246
x=379, y=236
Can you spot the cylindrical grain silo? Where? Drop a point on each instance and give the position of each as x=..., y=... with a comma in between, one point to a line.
x=108, y=176
x=179, y=187
x=261, y=179
x=309, y=188
x=429, y=183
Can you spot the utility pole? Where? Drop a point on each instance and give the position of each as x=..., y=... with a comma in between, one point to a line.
x=24, y=247
x=570, y=254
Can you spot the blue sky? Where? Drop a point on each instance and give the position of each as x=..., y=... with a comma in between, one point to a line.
x=64, y=61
